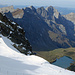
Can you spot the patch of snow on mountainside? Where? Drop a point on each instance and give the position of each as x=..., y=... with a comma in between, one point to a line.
x=13, y=62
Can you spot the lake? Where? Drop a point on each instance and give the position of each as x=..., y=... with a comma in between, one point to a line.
x=63, y=62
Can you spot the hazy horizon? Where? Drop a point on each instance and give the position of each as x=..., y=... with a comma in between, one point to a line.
x=57, y=3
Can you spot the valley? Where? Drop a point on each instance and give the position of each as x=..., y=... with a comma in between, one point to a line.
x=40, y=33
x=57, y=53
x=51, y=56
x=46, y=29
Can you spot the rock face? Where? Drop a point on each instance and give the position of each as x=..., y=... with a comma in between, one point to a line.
x=15, y=33
x=18, y=13
x=6, y=9
x=46, y=29
x=70, y=17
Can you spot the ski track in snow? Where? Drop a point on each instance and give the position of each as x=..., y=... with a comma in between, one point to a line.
x=12, y=62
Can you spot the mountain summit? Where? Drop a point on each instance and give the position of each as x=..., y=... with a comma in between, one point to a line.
x=13, y=41
x=46, y=28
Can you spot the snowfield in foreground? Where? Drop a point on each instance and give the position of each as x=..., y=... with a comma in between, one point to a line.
x=13, y=62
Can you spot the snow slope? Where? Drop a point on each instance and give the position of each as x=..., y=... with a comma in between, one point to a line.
x=14, y=63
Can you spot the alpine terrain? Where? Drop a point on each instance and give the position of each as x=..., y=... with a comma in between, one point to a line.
x=46, y=29
x=12, y=62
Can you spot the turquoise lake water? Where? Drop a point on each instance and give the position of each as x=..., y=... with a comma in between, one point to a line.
x=63, y=62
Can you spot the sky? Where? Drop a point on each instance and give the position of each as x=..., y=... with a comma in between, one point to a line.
x=60, y=3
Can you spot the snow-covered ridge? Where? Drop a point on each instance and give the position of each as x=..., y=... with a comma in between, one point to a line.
x=13, y=62
x=18, y=27
x=16, y=34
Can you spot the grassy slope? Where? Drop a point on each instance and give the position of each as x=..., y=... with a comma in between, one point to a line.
x=57, y=53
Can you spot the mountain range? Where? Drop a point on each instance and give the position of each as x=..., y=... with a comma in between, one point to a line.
x=64, y=10
x=12, y=62
x=48, y=24
x=70, y=17
x=46, y=29
x=3, y=5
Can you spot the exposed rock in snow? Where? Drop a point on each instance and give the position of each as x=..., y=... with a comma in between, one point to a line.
x=13, y=23
x=15, y=33
x=14, y=63
x=10, y=32
x=19, y=27
x=23, y=48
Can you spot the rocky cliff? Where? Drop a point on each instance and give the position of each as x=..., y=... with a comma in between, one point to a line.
x=70, y=17
x=16, y=34
x=7, y=9
x=46, y=29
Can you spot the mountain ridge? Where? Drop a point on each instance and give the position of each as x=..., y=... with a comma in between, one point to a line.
x=13, y=62
x=13, y=37
x=15, y=33
x=47, y=27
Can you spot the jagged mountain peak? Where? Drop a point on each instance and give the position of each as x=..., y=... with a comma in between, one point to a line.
x=29, y=9
x=46, y=23
x=42, y=12
x=32, y=7
x=50, y=8
x=53, y=11
x=7, y=9
x=71, y=13
x=48, y=13
x=41, y=8
x=71, y=17
x=18, y=13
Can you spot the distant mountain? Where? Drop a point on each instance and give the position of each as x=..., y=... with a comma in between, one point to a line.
x=46, y=28
x=23, y=6
x=65, y=11
x=7, y=9
x=70, y=16
x=13, y=62
x=15, y=33
x=62, y=10
x=13, y=41
x=1, y=6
